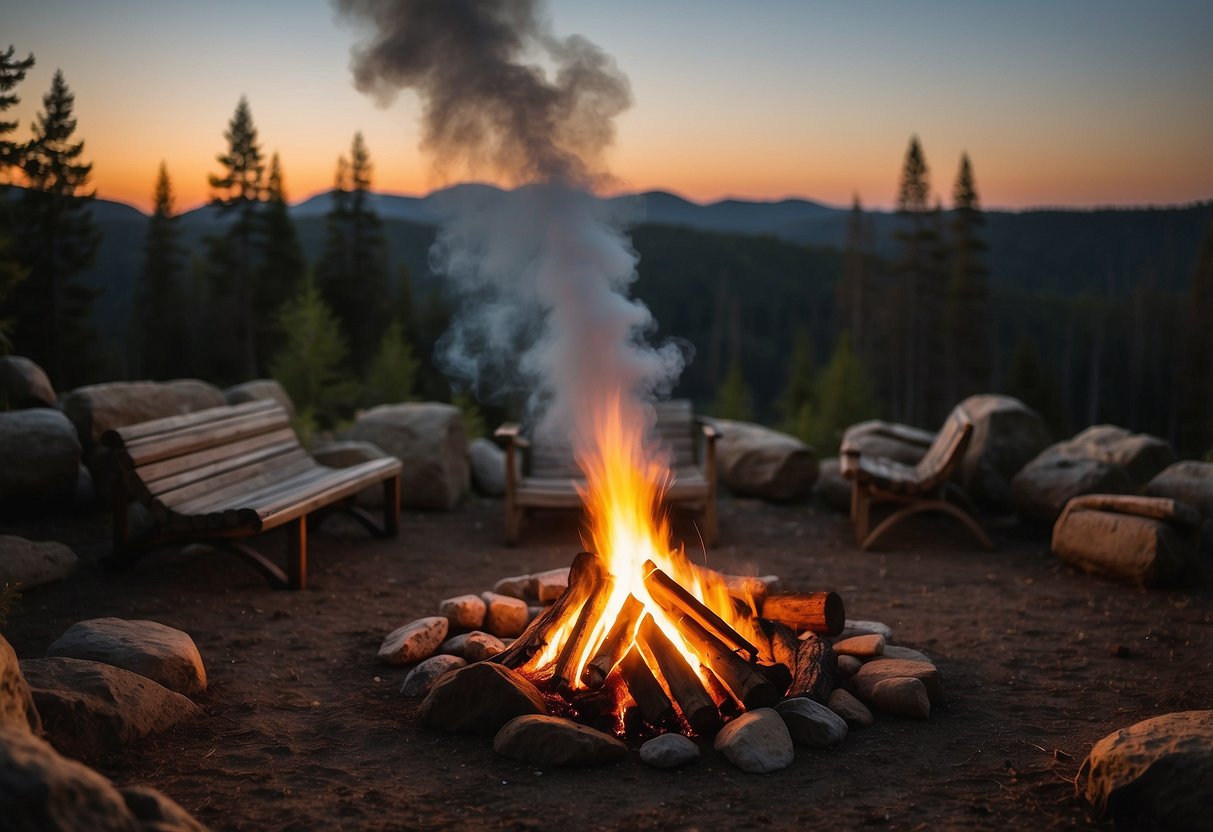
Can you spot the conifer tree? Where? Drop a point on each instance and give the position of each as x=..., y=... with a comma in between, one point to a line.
x=159, y=316
x=56, y=240
x=796, y=401
x=12, y=72
x=393, y=371
x=854, y=291
x=281, y=261
x=733, y=398
x=1196, y=375
x=966, y=321
x=844, y=396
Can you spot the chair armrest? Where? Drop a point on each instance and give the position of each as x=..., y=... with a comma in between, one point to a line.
x=848, y=462
x=509, y=433
x=710, y=431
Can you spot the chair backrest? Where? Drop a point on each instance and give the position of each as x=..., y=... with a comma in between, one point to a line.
x=945, y=452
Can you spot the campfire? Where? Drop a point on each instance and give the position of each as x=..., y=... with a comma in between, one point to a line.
x=645, y=640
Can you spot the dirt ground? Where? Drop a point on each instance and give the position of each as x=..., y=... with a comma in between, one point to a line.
x=304, y=729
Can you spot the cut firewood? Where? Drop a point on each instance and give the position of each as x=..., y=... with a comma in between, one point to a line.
x=784, y=644
x=568, y=666
x=684, y=683
x=615, y=645
x=749, y=591
x=819, y=612
x=666, y=592
x=584, y=573
x=654, y=706
x=749, y=686
x=816, y=670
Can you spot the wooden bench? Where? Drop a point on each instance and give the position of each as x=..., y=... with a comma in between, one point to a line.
x=917, y=488
x=550, y=477
x=230, y=472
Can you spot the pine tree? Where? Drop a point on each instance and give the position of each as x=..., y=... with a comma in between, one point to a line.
x=56, y=240
x=966, y=320
x=233, y=256
x=854, y=291
x=1196, y=376
x=282, y=263
x=12, y=72
x=796, y=401
x=159, y=317
x=844, y=396
x=393, y=372
x=733, y=399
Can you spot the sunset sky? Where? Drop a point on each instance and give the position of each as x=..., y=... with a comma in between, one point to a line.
x=1077, y=103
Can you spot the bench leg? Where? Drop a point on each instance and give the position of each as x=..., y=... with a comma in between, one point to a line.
x=391, y=506
x=296, y=553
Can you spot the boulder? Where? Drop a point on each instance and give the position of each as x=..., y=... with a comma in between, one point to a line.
x=504, y=616
x=24, y=384
x=258, y=389
x=759, y=462
x=464, y=611
x=515, y=586
x=428, y=438
x=1007, y=435
x=159, y=652
x=1189, y=481
x=757, y=742
x=414, y=641
x=553, y=740
x=1144, y=540
x=901, y=696
x=1041, y=490
x=31, y=563
x=89, y=708
x=100, y=407
x=832, y=489
x=867, y=677
x=40, y=453
x=346, y=453
x=488, y=467
x=848, y=665
x=853, y=712
x=16, y=702
x=479, y=699
x=668, y=751
x=1156, y=774
x=422, y=677
x=889, y=440
x=156, y=812
x=549, y=585
x=811, y=723
x=1139, y=454
x=481, y=646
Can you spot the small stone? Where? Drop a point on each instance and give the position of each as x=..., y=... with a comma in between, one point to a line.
x=757, y=742
x=893, y=651
x=811, y=723
x=515, y=586
x=859, y=627
x=480, y=646
x=902, y=696
x=161, y=653
x=464, y=611
x=455, y=645
x=479, y=699
x=547, y=586
x=848, y=665
x=414, y=641
x=505, y=616
x=878, y=669
x=31, y=563
x=533, y=612
x=853, y=712
x=552, y=740
x=668, y=751
x=422, y=677
x=865, y=646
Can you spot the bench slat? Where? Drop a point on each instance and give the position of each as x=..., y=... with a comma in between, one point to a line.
x=238, y=497
x=161, y=476
x=346, y=482
x=201, y=437
x=243, y=478
x=143, y=430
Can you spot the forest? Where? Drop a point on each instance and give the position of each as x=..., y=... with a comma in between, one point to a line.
x=1087, y=316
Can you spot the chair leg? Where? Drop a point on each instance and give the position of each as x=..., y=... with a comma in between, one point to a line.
x=296, y=553
x=918, y=507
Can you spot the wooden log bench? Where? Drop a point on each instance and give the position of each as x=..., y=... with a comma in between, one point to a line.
x=227, y=473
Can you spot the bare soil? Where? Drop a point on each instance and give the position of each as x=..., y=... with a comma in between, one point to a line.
x=304, y=729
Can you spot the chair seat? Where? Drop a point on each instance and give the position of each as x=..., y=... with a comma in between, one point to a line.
x=888, y=474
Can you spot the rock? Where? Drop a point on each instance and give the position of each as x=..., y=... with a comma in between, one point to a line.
x=759, y=462
x=901, y=696
x=547, y=586
x=465, y=611
x=1156, y=774
x=889, y=440
x=1189, y=481
x=1139, y=454
x=757, y=742
x=23, y=384
x=488, y=467
x=346, y=454
x=893, y=651
x=157, y=812
x=865, y=646
x=533, y=611
x=161, y=653
x=552, y=740
x=41, y=454
x=89, y=708
x=414, y=641
x=258, y=389
x=853, y=712
x=100, y=407
x=428, y=438
x=848, y=665
x=1007, y=435
x=505, y=616
x=515, y=586
x=480, y=646
x=1044, y=486
x=866, y=678
x=859, y=627
x=832, y=488
x=16, y=702
x=422, y=677
x=668, y=751
x=811, y=723
x=479, y=699
x=454, y=645
x=32, y=564
x=1142, y=550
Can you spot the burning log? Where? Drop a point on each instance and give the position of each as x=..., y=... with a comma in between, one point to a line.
x=616, y=643
x=674, y=599
x=820, y=612
x=575, y=646
x=655, y=707
x=585, y=572
x=688, y=691
x=749, y=591
x=816, y=670
x=740, y=677
x=784, y=644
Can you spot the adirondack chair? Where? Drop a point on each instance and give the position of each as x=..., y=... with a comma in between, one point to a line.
x=918, y=488
x=549, y=476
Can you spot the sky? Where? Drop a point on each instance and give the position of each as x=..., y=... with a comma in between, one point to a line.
x=1076, y=103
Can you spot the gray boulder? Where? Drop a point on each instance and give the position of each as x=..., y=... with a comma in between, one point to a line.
x=1189, y=481
x=479, y=699
x=33, y=563
x=100, y=407
x=755, y=461
x=811, y=723
x=832, y=488
x=346, y=453
x=40, y=453
x=1007, y=435
x=757, y=742
x=16, y=702
x=1139, y=454
x=258, y=389
x=161, y=653
x=423, y=677
x=24, y=384
x=1041, y=490
x=428, y=438
x=552, y=740
x=889, y=440
x=668, y=751
x=488, y=467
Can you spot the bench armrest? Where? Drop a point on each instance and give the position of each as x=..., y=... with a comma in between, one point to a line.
x=510, y=433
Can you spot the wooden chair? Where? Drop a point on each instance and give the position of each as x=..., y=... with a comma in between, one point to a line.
x=229, y=472
x=918, y=488
x=549, y=476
